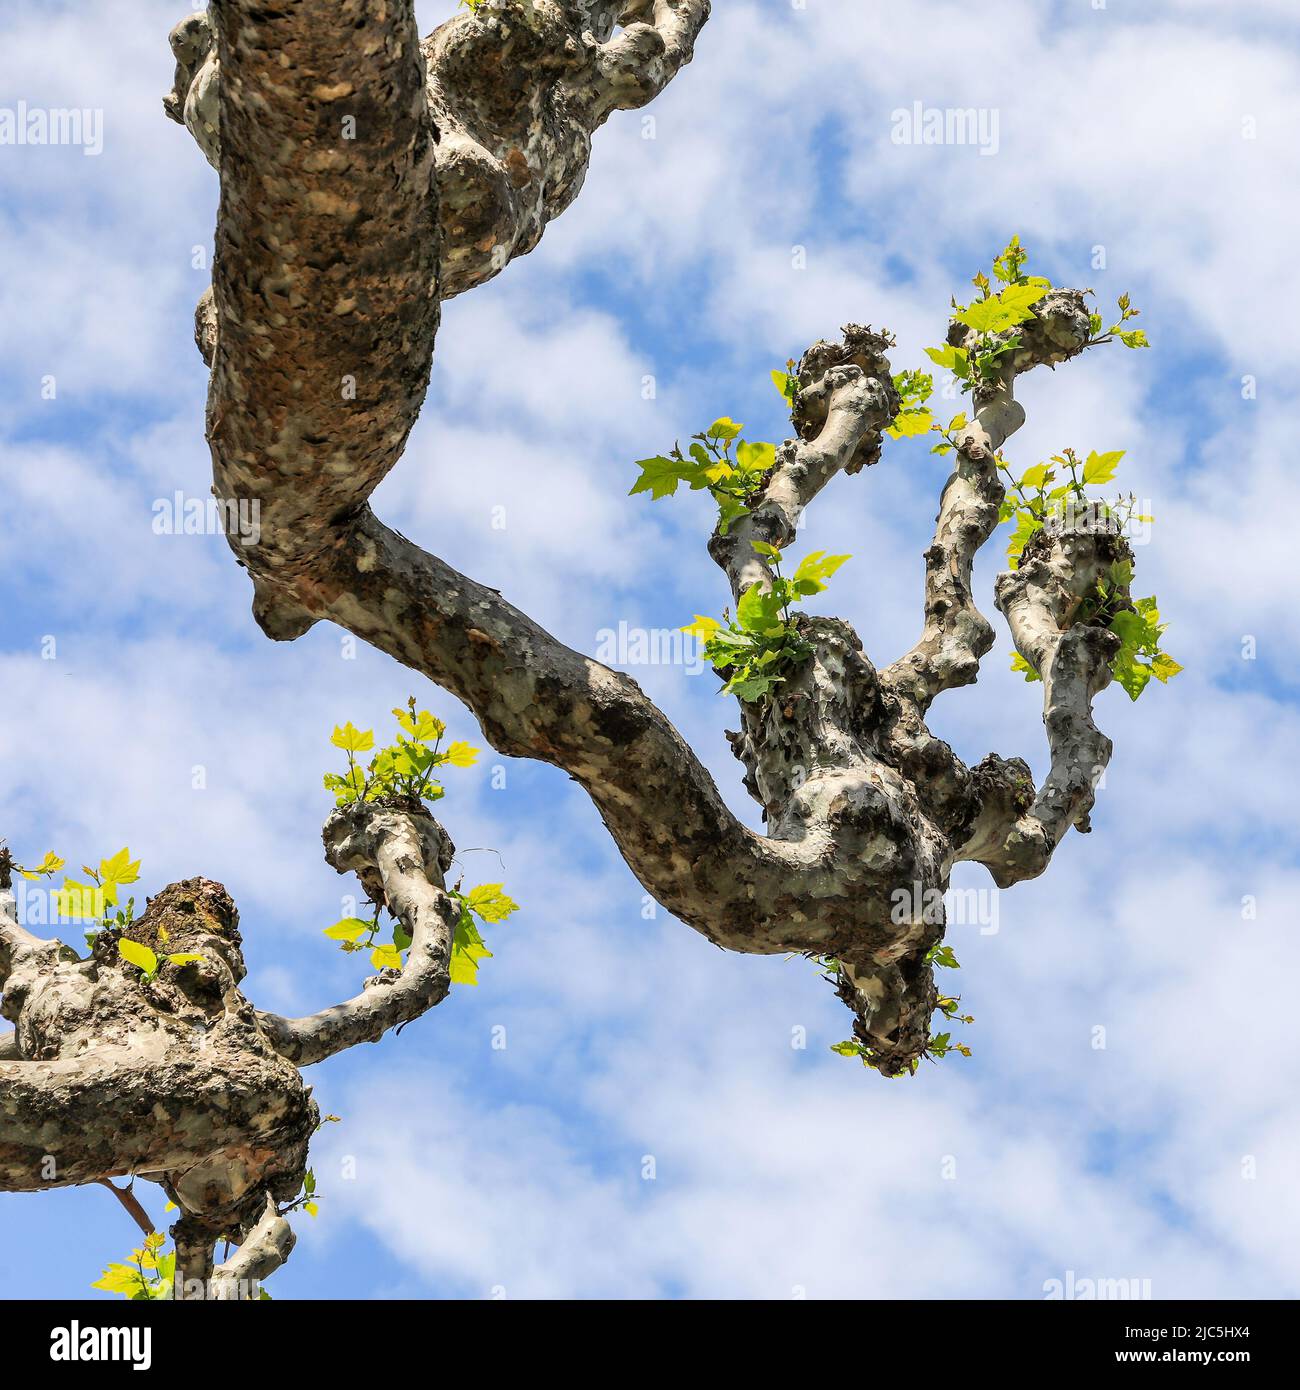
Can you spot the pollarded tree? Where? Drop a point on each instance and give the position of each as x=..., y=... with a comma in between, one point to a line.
x=366, y=176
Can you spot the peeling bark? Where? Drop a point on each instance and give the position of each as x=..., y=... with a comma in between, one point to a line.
x=366, y=176
x=178, y=1079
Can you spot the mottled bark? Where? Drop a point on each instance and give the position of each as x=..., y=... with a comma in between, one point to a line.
x=366, y=176
x=178, y=1079
x=400, y=857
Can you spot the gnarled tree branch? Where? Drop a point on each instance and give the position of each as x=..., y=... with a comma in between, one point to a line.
x=264, y=1248
x=956, y=634
x=401, y=857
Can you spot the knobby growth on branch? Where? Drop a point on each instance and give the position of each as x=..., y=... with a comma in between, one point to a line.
x=367, y=175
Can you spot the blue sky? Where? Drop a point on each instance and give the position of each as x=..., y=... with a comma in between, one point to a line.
x=1162, y=131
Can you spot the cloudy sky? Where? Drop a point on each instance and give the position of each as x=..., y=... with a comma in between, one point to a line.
x=652, y=1126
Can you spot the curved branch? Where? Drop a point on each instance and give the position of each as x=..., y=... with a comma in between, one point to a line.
x=123, y=1110
x=325, y=284
x=130, y=1204
x=516, y=91
x=401, y=857
x=956, y=634
x=1040, y=600
x=263, y=1250
x=536, y=698
x=845, y=399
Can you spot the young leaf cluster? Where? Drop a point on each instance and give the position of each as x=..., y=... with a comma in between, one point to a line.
x=1044, y=495
x=96, y=903
x=147, y=1275
x=730, y=468
x=1137, y=625
x=1056, y=493
x=993, y=316
x=1131, y=338
x=1049, y=493
x=404, y=769
x=756, y=649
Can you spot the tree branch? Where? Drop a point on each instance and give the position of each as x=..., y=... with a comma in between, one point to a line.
x=516, y=92
x=1040, y=600
x=325, y=283
x=845, y=399
x=131, y=1204
x=401, y=857
x=956, y=634
x=263, y=1250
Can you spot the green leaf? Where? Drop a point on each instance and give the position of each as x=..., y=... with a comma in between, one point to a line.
x=659, y=477
x=1101, y=468
x=386, y=957
x=729, y=508
x=1005, y=309
x=184, y=958
x=468, y=948
x=750, y=688
x=815, y=570
x=786, y=385
x=1026, y=294
x=942, y=955
x=121, y=868
x=490, y=903
x=988, y=316
x=81, y=901
x=910, y=423
x=702, y=627
x=51, y=864
x=1132, y=675
x=423, y=726
x=1134, y=339
x=755, y=457
x=1027, y=526
x=140, y=956
x=1164, y=667
x=953, y=359
x=1018, y=663
x=310, y=1208
x=352, y=740
x=120, y=1278
x=723, y=428
x=461, y=755
x=349, y=929
x=759, y=609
